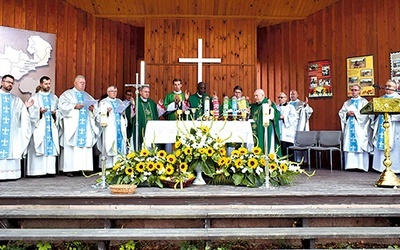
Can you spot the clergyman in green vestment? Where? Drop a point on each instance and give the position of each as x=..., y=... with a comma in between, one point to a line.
x=197, y=99
x=272, y=133
x=146, y=110
x=175, y=100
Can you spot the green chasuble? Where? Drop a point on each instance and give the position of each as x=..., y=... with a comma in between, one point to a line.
x=272, y=129
x=147, y=111
x=170, y=98
x=128, y=114
x=195, y=101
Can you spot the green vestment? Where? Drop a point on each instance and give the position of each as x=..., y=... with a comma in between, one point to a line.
x=170, y=98
x=146, y=111
x=272, y=129
x=195, y=101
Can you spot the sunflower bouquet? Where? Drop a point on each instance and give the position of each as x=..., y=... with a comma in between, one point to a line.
x=199, y=146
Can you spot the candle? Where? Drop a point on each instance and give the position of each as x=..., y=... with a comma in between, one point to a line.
x=137, y=78
x=234, y=107
x=215, y=103
x=103, y=115
x=225, y=107
x=142, y=66
x=207, y=106
x=265, y=110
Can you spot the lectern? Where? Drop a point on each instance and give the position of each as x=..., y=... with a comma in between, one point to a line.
x=385, y=106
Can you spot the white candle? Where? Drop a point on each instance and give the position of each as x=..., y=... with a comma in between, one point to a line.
x=265, y=110
x=103, y=115
x=142, y=66
x=137, y=78
x=206, y=106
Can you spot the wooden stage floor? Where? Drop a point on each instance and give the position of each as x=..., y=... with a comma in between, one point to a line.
x=325, y=188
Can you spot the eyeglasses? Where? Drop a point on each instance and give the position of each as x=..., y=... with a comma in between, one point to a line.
x=9, y=82
x=281, y=97
x=355, y=90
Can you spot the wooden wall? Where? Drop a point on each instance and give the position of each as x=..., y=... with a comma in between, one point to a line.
x=105, y=52
x=346, y=29
x=234, y=41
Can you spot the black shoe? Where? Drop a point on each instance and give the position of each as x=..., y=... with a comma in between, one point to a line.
x=69, y=174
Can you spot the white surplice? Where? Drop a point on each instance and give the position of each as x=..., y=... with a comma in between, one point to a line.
x=38, y=162
x=20, y=133
x=109, y=134
x=74, y=158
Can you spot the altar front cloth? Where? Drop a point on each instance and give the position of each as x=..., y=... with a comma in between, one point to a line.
x=160, y=132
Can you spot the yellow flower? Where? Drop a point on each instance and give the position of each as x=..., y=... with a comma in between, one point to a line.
x=130, y=155
x=151, y=166
x=178, y=143
x=271, y=156
x=253, y=163
x=222, y=151
x=228, y=161
x=140, y=167
x=188, y=151
x=238, y=163
x=178, y=153
x=116, y=166
x=128, y=171
x=169, y=170
x=183, y=166
x=235, y=153
x=283, y=167
x=161, y=154
x=202, y=150
x=159, y=166
x=144, y=152
x=243, y=150
x=222, y=161
x=263, y=162
x=256, y=150
x=273, y=166
x=204, y=129
x=171, y=159
x=209, y=151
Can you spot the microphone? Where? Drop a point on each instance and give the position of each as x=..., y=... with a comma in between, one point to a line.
x=377, y=86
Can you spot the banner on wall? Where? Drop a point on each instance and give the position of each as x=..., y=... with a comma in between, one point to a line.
x=395, y=66
x=360, y=71
x=320, y=78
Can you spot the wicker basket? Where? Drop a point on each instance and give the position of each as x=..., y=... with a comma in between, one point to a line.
x=123, y=189
x=172, y=184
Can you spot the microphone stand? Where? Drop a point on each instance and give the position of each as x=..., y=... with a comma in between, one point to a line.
x=384, y=88
x=103, y=124
x=137, y=86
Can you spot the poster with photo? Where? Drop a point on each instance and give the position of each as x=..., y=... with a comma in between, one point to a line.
x=395, y=66
x=320, y=79
x=360, y=71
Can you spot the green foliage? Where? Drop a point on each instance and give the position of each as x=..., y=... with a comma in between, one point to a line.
x=130, y=245
x=75, y=245
x=43, y=246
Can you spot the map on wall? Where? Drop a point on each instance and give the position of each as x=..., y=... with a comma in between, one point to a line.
x=27, y=55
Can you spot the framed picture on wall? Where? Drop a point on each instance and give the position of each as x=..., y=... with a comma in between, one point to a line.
x=395, y=66
x=360, y=71
x=320, y=79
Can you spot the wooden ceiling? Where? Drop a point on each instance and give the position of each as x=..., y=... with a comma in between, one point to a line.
x=266, y=12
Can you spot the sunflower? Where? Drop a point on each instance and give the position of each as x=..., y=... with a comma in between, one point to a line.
x=188, y=151
x=222, y=151
x=131, y=155
x=273, y=166
x=222, y=161
x=209, y=151
x=202, y=150
x=256, y=150
x=238, y=163
x=243, y=150
x=204, y=129
x=235, y=153
x=129, y=171
x=178, y=153
x=144, y=152
x=169, y=170
x=140, y=167
x=253, y=163
x=162, y=154
x=116, y=166
x=151, y=166
x=171, y=158
x=159, y=166
x=283, y=167
x=178, y=143
x=228, y=161
x=271, y=156
x=263, y=162
x=183, y=167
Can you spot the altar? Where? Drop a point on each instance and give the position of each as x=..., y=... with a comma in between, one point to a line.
x=163, y=132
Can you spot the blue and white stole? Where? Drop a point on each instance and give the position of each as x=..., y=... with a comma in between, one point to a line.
x=114, y=105
x=352, y=131
x=381, y=131
x=83, y=117
x=49, y=148
x=5, y=125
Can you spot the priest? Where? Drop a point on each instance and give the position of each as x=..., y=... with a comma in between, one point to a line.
x=79, y=129
x=197, y=100
x=266, y=124
x=15, y=130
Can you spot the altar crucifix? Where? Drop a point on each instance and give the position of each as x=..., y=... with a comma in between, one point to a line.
x=200, y=60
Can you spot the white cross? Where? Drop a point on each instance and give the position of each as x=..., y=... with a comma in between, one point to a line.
x=200, y=60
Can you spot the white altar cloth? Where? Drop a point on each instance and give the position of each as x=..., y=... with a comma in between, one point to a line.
x=159, y=132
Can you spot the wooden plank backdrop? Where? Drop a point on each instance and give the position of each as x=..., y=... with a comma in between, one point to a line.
x=274, y=57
